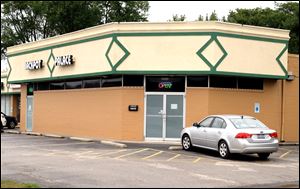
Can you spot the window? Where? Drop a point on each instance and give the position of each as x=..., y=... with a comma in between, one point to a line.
x=42, y=86
x=246, y=123
x=30, y=89
x=218, y=123
x=57, y=86
x=250, y=83
x=197, y=81
x=223, y=82
x=112, y=81
x=206, y=122
x=74, y=84
x=133, y=80
x=92, y=83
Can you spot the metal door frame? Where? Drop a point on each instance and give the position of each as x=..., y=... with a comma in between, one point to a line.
x=163, y=138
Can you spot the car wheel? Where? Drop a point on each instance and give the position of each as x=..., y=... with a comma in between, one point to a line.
x=12, y=125
x=264, y=156
x=224, y=150
x=186, y=142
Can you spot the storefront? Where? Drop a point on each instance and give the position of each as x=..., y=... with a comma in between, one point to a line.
x=10, y=97
x=147, y=81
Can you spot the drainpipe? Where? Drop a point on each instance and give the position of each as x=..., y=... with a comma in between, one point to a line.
x=282, y=112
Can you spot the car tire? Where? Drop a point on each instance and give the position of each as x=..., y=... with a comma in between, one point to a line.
x=224, y=150
x=263, y=156
x=12, y=125
x=186, y=142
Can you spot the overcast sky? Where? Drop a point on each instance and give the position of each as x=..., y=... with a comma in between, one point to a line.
x=161, y=11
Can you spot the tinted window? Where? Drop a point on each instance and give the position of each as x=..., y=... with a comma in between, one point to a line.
x=250, y=83
x=54, y=86
x=112, y=81
x=133, y=80
x=206, y=122
x=223, y=82
x=218, y=123
x=91, y=83
x=74, y=84
x=197, y=81
x=30, y=89
x=43, y=86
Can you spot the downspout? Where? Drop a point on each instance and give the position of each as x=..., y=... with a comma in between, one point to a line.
x=282, y=112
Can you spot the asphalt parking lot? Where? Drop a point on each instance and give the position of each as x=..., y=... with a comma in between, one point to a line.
x=56, y=162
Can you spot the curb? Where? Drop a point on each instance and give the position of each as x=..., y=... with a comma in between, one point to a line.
x=33, y=133
x=53, y=136
x=114, y=143
x=82, y=139
x=12, y=132
x=175, y=148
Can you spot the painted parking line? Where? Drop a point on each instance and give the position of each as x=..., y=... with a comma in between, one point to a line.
x=283, y=155
x=153, y=155
x=110, y=153
x=196, y=160
x=174, y=157
x=135, y=152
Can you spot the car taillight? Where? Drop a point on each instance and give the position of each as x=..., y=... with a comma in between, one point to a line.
x=243, y=135
x=274, y=135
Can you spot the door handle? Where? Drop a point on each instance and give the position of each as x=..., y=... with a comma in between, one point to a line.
x=204, y=131
x=219, y=132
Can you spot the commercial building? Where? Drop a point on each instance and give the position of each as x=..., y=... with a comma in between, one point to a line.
x=10, y=96
x=146, y=81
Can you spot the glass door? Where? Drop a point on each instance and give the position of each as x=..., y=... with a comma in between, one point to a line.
x=164, y=116
x=29, y=113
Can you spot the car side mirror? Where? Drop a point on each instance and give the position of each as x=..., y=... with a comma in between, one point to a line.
x=196, y=124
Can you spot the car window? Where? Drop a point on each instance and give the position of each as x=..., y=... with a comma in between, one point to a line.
x=218, y=123
x=206, y=122
x=246, y=123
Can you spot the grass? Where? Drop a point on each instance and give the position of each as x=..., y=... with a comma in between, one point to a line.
x=14, y=184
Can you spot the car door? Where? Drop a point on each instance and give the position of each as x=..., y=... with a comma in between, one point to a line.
x=198, y=134
x=214, y=132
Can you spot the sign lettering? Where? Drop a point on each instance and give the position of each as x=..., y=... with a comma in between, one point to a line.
x=64, y=60
x=34, y=65
x=165, y=85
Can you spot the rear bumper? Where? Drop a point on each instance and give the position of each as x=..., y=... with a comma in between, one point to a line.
x=244, y=147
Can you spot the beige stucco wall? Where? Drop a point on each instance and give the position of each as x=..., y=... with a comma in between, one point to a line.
x=249, y=56
x=153, y=53
x=169, y=53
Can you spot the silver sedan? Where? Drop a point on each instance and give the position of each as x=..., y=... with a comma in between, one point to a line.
x=231, y=134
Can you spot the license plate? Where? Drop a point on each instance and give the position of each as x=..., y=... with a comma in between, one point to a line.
x=260, y=136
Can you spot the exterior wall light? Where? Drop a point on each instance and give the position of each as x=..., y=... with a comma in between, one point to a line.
x=290, y=77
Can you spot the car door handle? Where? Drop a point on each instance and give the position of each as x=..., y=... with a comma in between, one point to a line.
x=219, y=132
x=204, y=131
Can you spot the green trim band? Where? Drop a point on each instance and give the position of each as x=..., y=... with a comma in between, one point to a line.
x=10, y=93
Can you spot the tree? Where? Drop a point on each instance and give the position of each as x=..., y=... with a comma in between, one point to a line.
x=285, y=16
x=213, y=16
x=177, y=18
x=26, y=21
x=200, y=18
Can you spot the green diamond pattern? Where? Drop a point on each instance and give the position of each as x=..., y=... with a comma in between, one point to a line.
x=49, y=58
x=200, y=51
x=127, y=53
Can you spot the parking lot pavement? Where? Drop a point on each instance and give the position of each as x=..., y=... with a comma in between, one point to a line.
x=54, y=162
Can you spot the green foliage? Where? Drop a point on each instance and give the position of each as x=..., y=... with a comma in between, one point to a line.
x=213, y=16
x=26, y=21
x=285, y=16
x=178, y=18
x=14, y=184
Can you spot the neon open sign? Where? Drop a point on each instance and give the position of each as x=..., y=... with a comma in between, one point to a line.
x=165, y=85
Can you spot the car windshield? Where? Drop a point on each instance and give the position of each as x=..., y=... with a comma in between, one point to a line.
x=245, y=123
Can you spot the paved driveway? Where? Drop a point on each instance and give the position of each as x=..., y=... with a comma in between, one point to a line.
x=53, y=162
